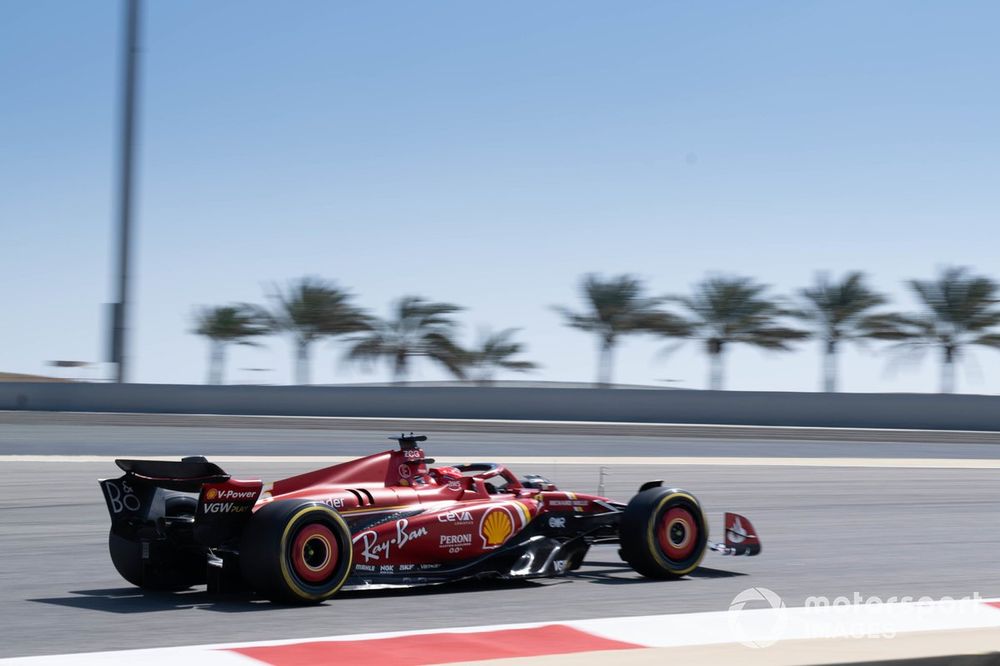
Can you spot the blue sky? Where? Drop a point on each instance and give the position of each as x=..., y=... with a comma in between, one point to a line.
x=489, y=154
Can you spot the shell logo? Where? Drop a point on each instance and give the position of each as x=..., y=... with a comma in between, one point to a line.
x=496, y=527
x=211, y=494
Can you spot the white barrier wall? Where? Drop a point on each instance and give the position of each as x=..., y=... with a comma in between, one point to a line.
x=846, y=410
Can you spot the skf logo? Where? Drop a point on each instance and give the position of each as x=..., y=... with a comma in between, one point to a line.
x=496, y=527
x=557, y=522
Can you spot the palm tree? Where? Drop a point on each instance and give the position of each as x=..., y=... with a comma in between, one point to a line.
x=959, y=310
x=417, y=328
x=735, y=310
x=842, y=312
x=497, y=350
x=227, y=324
x=312, y=309
x=617, y=306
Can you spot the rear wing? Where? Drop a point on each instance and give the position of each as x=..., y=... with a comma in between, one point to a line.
x=186, y=475
x=155, y=495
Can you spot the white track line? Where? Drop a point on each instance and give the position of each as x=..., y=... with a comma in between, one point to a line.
x=717, y=461
x=751, y=628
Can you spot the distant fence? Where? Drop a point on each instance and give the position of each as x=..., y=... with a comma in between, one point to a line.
x=839, y=410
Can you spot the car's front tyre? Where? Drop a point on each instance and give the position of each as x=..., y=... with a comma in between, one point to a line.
x=663, y=533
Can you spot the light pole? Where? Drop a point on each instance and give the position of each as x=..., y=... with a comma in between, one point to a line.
x=126, y=167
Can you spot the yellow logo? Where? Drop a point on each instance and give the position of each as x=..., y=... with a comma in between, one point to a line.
x=496, y=527
x=211, y=494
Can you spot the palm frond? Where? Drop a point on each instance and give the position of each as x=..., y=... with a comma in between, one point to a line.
x=313, y=308
x=988, y=340
x=619, y=305
x=587, y=323
x=739, y=310
x=497, y=350
x=960, y=310
x=236, y=323
x=416, y=327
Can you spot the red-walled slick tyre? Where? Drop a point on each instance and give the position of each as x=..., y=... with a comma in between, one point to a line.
x=663, y=533
x=296, y=552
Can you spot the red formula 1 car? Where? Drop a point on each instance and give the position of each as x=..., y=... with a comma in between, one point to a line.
x=386, y=520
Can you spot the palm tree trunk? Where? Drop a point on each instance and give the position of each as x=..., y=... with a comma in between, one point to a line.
x=605, y=363
x=948, y=370
x=830, y=367
x=301, y=362
x=213, y=362
x=219, y=361
x=715, y=371
x=399, y=369
x=716, y=364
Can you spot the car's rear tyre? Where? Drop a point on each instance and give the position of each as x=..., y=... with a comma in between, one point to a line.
x=168, y=567
x=663, y=533
x=296, y=552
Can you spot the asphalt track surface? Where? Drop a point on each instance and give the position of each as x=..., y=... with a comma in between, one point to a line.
x=830, y=531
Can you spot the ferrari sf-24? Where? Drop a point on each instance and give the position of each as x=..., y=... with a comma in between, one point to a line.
x=387, y=520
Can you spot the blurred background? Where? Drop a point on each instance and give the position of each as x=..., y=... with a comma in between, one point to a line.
x=321, y=161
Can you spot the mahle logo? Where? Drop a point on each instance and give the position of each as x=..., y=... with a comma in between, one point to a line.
x=757, y=629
